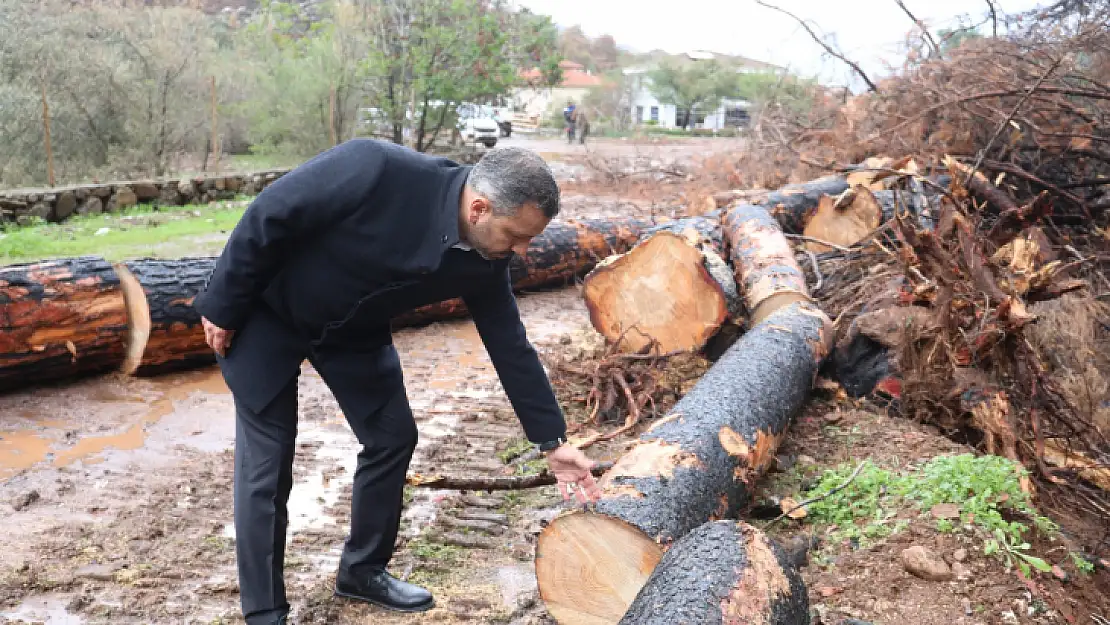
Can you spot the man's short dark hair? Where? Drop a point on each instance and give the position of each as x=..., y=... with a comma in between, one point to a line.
x=512, y=177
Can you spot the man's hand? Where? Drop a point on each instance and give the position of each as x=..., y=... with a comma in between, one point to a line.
x=217, y=338
x=572, y=472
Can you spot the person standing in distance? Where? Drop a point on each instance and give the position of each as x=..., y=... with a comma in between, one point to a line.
x=321, y=261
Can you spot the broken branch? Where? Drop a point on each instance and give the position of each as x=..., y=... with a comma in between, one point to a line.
x=855, y=67
x=520, y=482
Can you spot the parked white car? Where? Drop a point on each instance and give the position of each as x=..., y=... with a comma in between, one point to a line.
x=479, y=130
x=477, y=125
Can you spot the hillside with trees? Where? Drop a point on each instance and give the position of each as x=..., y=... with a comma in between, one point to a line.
x=129, y=89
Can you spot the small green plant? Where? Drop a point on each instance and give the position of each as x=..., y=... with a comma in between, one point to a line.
x=1004, y=544
x=514, y=450
x=423, y=548
x=1083, y=565
x=987, y=490
x=869, y=497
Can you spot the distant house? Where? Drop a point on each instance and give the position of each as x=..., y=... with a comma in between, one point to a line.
x=537, y=100
x=645, y=108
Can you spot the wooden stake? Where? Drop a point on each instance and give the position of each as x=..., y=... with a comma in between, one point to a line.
x=331, y=117
x=215, y=126
x=46, y=134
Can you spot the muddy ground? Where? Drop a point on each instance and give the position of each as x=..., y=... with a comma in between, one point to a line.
x=116, y=494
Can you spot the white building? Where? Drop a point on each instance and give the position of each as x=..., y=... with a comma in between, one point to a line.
x=646, y=108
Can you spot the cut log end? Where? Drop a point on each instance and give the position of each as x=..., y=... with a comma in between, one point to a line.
x=844, y=220
x=611, y=563
x=660, y=291
x=165, y=332
x=138, y=314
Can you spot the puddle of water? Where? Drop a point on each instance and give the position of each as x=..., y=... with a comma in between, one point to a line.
x=46, y=609
x=24, y=449
x=21, y=450
x=311, y=497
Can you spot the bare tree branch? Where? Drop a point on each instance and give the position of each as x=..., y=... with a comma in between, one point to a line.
x=921, y=25
x=994, y=18
x=855, y=67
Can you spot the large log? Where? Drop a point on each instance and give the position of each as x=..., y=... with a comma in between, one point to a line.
x=722, y=572
x=699, y=462
x=165, y=330
x=671, y=292
x=766, y=270
x=794, y=205
x=791, y=205
x=59, y=319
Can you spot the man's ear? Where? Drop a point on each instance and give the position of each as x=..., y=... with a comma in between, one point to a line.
x=479, y=207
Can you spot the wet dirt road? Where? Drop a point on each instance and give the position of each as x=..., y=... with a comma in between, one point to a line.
x=117, y=492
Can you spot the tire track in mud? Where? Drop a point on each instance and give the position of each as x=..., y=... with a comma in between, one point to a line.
x=145, y=534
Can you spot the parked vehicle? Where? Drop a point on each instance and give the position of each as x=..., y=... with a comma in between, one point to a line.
x=477, y=125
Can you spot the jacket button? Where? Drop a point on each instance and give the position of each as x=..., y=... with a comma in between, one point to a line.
x=445, y=238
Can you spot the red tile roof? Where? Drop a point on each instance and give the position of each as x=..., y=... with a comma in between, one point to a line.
x=574, y=76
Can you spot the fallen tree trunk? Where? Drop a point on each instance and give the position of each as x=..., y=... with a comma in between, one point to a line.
x=766, y=270
x=66, y=317
x=59, y=319
x=792, y=204
x=671, y=292
x=165, y=330
x=722, y=572
x=699, y=462
x=694, y=465
x=564, y=251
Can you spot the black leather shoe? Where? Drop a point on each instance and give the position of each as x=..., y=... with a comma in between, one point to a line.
x=378, y=587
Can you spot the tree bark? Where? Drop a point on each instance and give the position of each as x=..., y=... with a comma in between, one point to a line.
x=722, y=572
x=764, y=262
x=59, y=319
x=165, y=330
x=672, y=292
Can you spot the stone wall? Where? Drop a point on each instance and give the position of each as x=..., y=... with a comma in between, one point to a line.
x=60, y=203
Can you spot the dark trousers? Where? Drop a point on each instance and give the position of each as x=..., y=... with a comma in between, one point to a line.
x=264, y=449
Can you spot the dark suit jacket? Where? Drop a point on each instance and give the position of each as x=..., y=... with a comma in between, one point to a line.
x=327, y=254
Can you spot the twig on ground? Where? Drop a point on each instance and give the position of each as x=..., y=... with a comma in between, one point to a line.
x=520, y=482
x=816, y=271
x=820, y=497
x=839, y=248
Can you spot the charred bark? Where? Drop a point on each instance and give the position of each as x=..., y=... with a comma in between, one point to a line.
x=59, y=319
x=722, y=572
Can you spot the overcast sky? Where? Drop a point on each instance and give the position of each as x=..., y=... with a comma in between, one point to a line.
x=869, y=31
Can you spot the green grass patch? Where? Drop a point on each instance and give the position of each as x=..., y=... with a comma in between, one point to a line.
x=514, y=450
x=137, y=232
x=986, y=490
x=432, y=560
